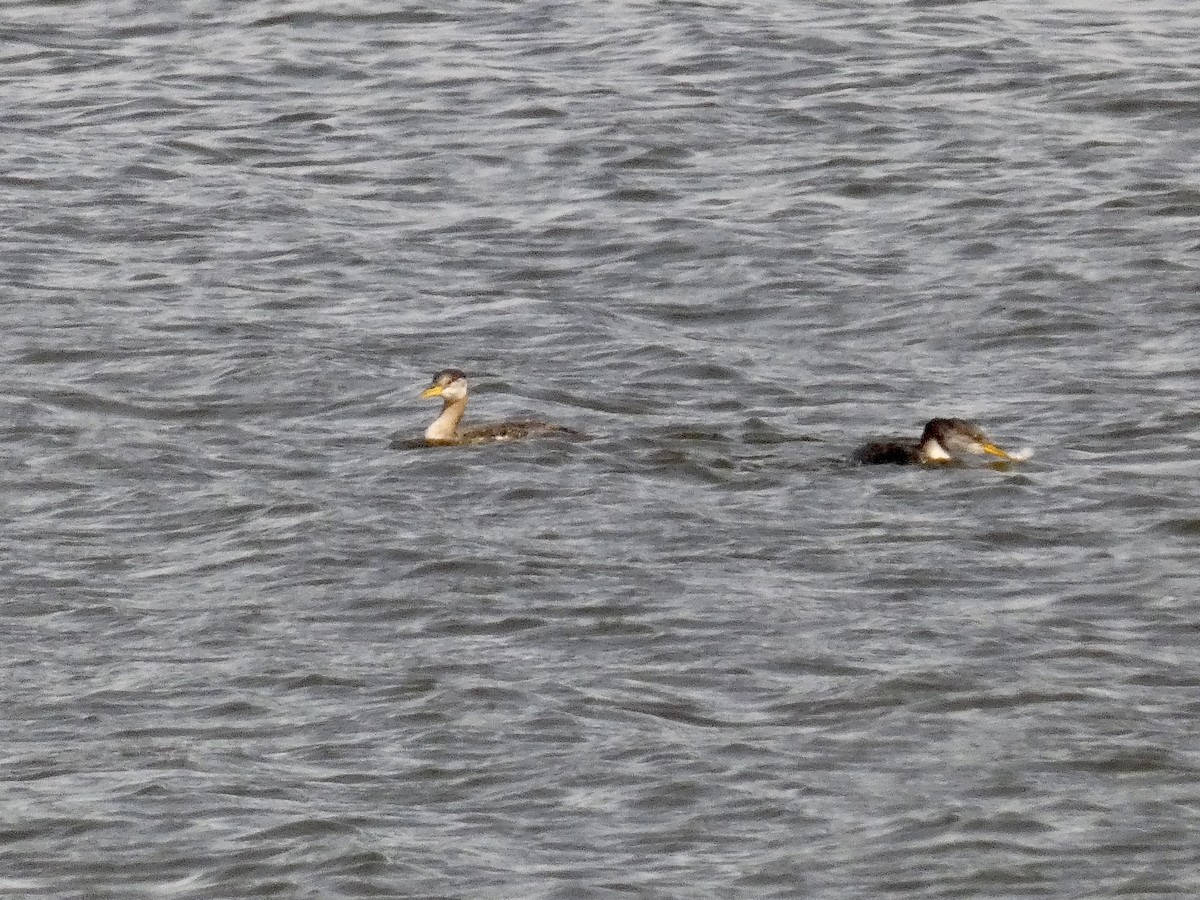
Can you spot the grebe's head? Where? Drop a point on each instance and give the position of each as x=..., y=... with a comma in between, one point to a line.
x=450, y=384
x=942, y=438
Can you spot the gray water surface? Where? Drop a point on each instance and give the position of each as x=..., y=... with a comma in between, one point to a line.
x=254, y=647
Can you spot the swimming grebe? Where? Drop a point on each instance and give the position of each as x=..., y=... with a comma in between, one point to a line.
x=451, y=386
x=939, y=442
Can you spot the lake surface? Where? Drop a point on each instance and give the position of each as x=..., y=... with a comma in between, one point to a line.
x=255, y=646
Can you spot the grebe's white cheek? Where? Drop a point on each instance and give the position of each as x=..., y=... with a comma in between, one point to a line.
x=935, y=452
x=455, y=390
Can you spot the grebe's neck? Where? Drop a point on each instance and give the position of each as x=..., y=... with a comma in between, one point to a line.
x=444, y=429
x=931, y=450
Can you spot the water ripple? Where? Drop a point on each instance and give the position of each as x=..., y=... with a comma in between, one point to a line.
x=259, y=640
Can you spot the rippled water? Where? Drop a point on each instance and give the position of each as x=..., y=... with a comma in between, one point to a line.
x=250, y=648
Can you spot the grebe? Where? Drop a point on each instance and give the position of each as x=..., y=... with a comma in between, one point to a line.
x=451, y=386
x=939, y=442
